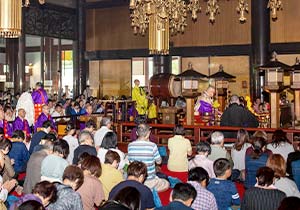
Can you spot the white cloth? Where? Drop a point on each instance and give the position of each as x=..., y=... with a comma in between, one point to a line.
x=73, y=144
x=238, y=157
x=287, y=186
x=99, y=135
x=25, y=102
x=102, y=152
x=284, y=149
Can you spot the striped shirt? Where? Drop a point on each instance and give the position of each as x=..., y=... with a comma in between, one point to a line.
x=146, y=152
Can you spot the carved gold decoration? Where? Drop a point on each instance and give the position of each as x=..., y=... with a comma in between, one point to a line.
x=274, y=6
x=242, y=8
x=163, y=17
x=212, y=10
x=10, y=18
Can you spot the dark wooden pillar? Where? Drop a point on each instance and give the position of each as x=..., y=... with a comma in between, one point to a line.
x=260, y=37
x=42, y=60
x=12, y=46
x=162, y=64
x=19, y=77
x=82, y=63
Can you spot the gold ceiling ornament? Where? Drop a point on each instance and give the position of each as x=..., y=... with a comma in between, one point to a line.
x=10, y=18
x=242, y=8
x=27, y=2
x=274, y=6
x=162, y=17
x=212, y=10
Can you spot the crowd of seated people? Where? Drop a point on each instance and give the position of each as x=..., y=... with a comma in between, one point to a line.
x=85, y=169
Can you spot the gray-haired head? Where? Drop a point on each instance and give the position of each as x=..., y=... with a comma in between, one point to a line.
x=105, y=121
x=143, y=130
x=85, y=135
x=217, y=137
x=234, y=99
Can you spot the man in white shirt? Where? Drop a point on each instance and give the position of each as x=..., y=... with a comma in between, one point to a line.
x=106, y=124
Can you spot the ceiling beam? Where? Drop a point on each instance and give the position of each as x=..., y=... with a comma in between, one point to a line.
x=106, y=4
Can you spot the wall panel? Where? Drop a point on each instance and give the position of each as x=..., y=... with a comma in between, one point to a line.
x=286, y=27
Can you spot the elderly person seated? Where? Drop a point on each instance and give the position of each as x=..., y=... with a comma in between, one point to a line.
x=217, y=147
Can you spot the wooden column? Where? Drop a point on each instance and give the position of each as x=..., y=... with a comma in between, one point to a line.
x=297, y=104
x=275, y=109
x=190, y=111
x=260, y=41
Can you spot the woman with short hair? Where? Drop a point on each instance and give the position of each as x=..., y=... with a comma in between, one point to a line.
x=91, y=167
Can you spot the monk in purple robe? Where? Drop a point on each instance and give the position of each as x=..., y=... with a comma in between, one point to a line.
x=204, y=102
x=21, y=123
x=44, y=116
x=39, y=97
x=7, y=127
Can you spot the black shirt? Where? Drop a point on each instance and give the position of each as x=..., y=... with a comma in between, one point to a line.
x=82, y=149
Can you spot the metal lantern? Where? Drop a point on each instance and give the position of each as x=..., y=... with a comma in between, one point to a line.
x=190, y=81
x=295, y=75
x=274, y=72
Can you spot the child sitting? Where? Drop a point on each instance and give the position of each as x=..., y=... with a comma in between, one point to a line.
x=224, y=190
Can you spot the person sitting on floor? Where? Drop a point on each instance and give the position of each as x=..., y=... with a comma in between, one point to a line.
x=180, y=148
x=201, y=160
x=264, y=195
x=38, y=136
x=136, y=175
x=224, y=190
x=110, y=176
x=67, y=198
x=144, y=150
x=217, y=147
x=205, y=200
x=183, y=196
x=91, y=167
x=86, y=144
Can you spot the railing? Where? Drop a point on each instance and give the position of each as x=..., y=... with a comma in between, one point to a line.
x=195, y=133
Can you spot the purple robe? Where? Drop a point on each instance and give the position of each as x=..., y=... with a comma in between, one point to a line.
x=41, y=119
x=205, y=107
x=23, y=125
x=40, y=96
x=7, y=128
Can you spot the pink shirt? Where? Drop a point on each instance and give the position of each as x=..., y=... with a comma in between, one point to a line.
x=204, y=162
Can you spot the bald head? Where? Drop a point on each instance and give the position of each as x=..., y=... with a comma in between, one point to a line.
x=234, y=99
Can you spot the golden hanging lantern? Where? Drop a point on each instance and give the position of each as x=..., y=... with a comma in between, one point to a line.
x=10, y=18
x=162, y=17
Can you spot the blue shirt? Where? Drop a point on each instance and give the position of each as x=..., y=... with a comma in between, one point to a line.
x=175, y=205
x=20, y=154
x=225, y=193
x=147, y=201
x=251, y=166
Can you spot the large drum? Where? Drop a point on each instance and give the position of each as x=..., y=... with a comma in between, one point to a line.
x=165, y=85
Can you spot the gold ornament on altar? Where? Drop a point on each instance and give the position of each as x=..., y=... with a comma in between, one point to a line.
x=212, y=10
x=274, y=6
x=242, y=8
x=11, y=17
x=162, y=17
